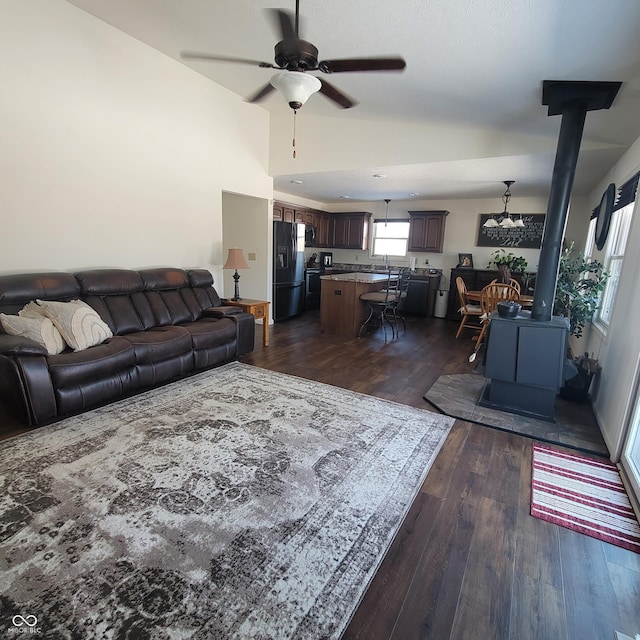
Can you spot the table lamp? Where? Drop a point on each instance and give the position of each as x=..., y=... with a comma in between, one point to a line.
x=235, y=260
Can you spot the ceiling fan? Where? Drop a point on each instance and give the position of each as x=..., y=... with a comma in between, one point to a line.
x=295, y=57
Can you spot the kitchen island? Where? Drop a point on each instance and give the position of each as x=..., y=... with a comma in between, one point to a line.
x=341, y=310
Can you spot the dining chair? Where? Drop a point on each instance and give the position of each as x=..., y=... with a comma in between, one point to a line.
x=490, y=296
x=467, y=310
x=512, y=282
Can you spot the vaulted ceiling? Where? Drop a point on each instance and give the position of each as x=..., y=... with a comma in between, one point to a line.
x=472, y=65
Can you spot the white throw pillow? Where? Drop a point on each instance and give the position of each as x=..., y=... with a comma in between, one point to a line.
x=80, y=325
x=32, y=310
x=40, y=330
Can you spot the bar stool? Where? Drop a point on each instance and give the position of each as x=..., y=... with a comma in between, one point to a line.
x=380, y=307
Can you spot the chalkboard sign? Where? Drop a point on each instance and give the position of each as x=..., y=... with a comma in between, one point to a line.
x=527, y=237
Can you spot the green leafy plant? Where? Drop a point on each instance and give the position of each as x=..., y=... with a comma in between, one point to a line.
x=579, y=289
x=515, y=264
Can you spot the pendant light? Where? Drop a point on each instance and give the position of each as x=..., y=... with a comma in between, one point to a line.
x=386, y=211
x=507, y=222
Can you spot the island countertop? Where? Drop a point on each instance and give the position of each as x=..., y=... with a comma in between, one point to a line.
x=358, y=276
x=341, y=310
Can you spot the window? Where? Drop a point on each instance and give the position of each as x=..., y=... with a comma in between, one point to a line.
x=390, y=237
x=614, y=257
x=615, y=247
x=590, y=244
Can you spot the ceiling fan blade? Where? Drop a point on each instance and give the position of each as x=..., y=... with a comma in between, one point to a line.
x=261, y=93
x=284, y=23
x=194, y=55
x=362, y=64
x=336, y=95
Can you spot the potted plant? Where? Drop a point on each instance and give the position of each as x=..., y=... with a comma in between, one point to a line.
x=579, y=289
x=578, y=296
x=507, y=263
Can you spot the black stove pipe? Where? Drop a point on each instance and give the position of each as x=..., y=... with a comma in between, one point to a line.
x=564, y=169
x=572, y=100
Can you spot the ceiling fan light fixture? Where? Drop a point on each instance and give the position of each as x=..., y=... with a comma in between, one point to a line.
x=296, y=87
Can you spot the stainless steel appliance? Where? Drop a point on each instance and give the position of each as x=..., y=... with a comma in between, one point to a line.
x=313, y=286
x=326, y=259
x=288, y=270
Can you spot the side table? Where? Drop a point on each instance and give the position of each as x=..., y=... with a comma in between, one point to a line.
x=259, y=309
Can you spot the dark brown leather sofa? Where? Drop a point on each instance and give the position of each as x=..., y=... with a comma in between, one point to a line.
x=166, y=323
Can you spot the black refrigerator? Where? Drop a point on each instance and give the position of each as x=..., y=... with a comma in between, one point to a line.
x=288, y=270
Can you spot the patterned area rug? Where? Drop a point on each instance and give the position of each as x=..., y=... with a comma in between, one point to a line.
x=239, y=503
x=583, y=494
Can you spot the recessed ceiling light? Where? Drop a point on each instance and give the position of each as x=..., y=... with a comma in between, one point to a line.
x=379, y=175
x=345, y=197
x=414, y=193
x=295, y=181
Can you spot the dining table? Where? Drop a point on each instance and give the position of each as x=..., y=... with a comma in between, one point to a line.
x=525, y=300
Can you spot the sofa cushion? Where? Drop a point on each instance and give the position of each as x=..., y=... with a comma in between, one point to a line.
x=211, y=332
x=80, y=325
x=40, y=330
x=109, y=292
x=101, y=361
x=161, y=343
x=18, y=289
x=163, y=291
x=201, y=282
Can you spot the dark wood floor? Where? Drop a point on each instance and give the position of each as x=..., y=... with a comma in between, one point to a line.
x=469, y=560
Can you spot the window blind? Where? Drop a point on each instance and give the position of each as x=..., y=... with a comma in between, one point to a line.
x=627, y=192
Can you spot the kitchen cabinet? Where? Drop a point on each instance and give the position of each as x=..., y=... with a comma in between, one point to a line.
x=284, y=212
x=322, y=229
x=426, y=230
x=349, y=230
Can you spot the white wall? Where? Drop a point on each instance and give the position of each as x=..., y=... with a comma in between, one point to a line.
x=619, y=350
x=112, y=154
x=247, y=223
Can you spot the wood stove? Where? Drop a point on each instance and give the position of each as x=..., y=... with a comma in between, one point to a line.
x=525, y=355
x=525, y=362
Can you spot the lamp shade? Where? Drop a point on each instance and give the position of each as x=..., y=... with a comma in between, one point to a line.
x=507, y=223
x=235, y=260
x=295, y=86
x=491, y=222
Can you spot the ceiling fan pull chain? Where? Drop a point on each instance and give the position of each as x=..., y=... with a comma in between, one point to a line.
x=294, y=134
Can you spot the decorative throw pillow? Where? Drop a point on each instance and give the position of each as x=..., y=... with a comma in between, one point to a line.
x=32, y=310
x=80, y=325
x=40, y=330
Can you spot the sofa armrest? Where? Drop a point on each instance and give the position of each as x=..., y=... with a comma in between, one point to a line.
x=19, y=345
x=26, y=385
x=221, y=312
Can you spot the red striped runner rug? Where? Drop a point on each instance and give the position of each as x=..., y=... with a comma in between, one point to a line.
x=582, y=494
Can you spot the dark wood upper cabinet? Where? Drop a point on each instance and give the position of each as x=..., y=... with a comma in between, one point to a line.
x=349, y=230
x=333, y=230
x=426, y=230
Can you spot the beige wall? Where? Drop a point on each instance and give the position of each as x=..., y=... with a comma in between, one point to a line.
x=247, y=224
x=112, y=154
x=619, y=350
